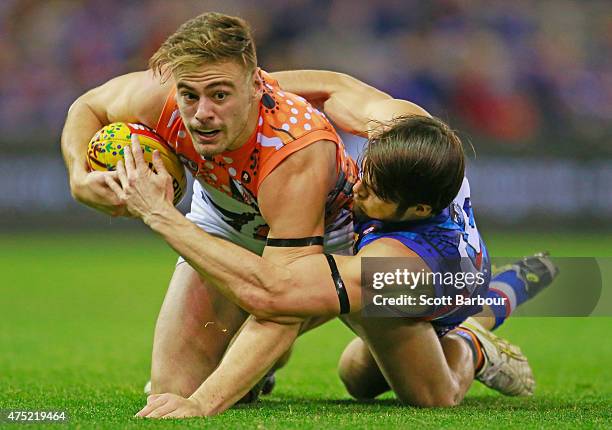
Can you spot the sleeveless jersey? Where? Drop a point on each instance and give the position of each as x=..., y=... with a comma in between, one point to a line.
x=448, y=243
x=230, y=181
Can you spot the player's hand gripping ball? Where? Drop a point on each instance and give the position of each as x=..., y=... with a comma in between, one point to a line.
x=106, y=149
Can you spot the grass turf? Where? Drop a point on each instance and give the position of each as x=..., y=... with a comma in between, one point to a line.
x=78, y=313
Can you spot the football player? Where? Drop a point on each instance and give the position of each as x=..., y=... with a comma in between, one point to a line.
x=246, y=142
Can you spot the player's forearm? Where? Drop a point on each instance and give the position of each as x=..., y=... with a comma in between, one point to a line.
x=266, y=288
x=240, y=275
x=258, y=346
x=315, y=85
x=353, y=105
x=345, y=99
x=81, y=124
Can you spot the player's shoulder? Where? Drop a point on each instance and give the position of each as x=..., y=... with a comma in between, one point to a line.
x=386, y=247
x=288, y=116
x=145, y=94
x=136, y=97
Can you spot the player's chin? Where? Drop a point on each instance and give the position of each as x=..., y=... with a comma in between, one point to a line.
x=358, y=212
x=209, y=149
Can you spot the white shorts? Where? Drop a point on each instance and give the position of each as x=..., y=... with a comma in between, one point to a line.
x=207, y=205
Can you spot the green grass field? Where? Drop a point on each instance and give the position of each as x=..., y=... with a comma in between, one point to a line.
x=78, y=313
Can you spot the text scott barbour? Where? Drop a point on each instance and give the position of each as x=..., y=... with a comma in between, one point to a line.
x=426, y=300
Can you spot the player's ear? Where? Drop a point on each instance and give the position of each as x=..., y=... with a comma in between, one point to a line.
x=422, y=210
x=257, y=84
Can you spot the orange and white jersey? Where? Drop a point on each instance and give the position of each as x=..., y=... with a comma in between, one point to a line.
x=228, y=183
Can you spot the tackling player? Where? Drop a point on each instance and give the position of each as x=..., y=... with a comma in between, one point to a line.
x=429, y=220
x=246, y=142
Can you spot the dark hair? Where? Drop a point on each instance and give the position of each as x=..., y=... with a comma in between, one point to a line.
x=415, y=160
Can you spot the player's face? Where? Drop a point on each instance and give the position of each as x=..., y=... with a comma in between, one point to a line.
x=367, y=204
x=219, y=104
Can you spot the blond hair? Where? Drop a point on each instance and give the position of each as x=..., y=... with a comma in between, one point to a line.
x=210, y=37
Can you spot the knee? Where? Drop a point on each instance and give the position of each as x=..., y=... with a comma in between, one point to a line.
x=356, y=386
x=358, y=378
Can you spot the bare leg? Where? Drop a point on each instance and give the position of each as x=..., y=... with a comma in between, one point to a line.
x=360, y=373
x=409, y=358
x=194, y=328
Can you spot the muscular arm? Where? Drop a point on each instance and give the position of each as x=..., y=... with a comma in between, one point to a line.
x=135, y=97
x=354, y=106
x=292, y=200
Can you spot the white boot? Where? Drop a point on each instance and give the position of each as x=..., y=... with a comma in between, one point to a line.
x=505, y=368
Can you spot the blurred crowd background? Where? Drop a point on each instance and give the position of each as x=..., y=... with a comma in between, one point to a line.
x=528, y=83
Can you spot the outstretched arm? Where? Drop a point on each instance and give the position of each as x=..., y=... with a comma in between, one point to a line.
x=288, y=282
x=257, y=347
x=354, y=106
